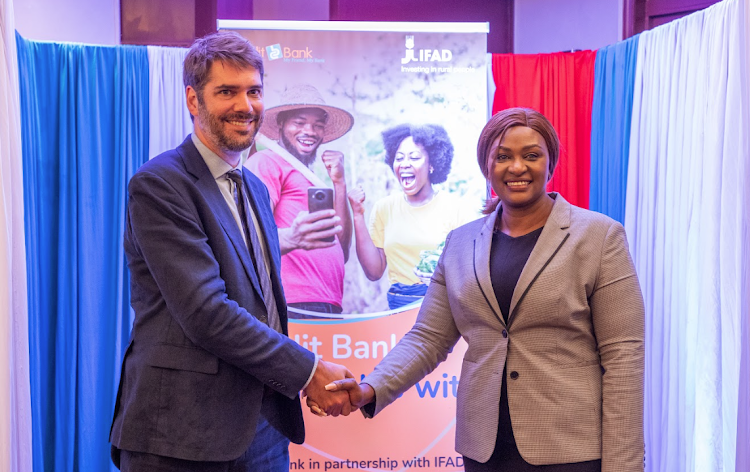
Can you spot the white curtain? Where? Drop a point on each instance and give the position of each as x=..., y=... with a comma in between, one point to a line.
x=169, y=119
x=687, y=220
x=15, y=404
x=743, y=421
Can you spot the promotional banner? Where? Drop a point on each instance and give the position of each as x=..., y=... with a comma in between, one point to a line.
x=368, y=150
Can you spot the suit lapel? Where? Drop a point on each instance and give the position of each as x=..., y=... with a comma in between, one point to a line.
x=482, y=246
x=553, y=236
x=207, y=186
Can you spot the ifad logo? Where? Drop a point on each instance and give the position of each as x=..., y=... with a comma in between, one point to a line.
x=424, y=55
x=274, y=52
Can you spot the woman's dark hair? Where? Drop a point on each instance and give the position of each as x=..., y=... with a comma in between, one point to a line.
x=433, y=138
x=496, y=128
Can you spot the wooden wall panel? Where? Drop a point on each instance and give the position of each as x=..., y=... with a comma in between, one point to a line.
x=642, y=15
x=159, y=22
x=177, y=22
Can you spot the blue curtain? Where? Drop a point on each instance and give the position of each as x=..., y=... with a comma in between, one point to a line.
x=610, y=127
x=84, y=115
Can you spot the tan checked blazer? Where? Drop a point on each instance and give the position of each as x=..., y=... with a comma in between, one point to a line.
x=573, y=343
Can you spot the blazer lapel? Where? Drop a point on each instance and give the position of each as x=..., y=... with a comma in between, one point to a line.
x=206, y=184
x=482, y=246
x=553, y=236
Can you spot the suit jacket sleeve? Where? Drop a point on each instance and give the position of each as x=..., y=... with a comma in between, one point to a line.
x=168, y=231
x=618, y=316
x=419, y=352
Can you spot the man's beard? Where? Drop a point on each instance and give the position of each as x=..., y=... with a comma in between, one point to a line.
x=216, y=129
x=306, y=159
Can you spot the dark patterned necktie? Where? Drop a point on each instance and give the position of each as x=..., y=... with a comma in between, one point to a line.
x=256, y=250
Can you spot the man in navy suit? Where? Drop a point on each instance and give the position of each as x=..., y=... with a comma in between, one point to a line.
x=210, y=380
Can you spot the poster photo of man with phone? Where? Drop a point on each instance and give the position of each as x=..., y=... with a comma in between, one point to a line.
x=313, y=219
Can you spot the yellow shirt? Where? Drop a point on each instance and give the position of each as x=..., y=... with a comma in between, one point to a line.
x=402, y=230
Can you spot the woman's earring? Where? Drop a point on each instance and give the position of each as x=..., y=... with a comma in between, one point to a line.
x=431, y=170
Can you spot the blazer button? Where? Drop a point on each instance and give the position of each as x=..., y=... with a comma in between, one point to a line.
x=514, y=375
x=505, y=334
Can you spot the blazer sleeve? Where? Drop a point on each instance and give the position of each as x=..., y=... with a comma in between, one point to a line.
x=618, y=317
x=419, y=352
x=169, y=235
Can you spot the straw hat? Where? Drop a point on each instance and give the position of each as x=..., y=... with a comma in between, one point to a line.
x=306, y=96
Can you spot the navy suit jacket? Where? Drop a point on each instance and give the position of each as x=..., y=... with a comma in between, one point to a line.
x=199, y=359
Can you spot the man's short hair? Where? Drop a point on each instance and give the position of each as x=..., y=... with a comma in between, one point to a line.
x=225, y=46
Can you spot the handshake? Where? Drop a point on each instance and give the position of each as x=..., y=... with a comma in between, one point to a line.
x=334, y=391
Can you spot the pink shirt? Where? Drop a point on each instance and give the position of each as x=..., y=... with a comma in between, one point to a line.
x=307, y=276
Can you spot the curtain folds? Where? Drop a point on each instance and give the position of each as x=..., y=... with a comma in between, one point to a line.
x=168, y=114
x=15, y=402
x=561, y=87
x=610, y=127
x=85, y=132
x=686, y=219
x=743, y=414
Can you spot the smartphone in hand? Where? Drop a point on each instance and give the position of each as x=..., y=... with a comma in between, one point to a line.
x=320, y=198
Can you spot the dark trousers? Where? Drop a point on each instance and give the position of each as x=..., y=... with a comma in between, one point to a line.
x=269, y=452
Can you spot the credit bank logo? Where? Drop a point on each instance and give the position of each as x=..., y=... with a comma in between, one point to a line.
x=274, y=52
x=288, y=54
x=424, y=55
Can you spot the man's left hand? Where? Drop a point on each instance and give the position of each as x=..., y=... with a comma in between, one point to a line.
x=334, y=162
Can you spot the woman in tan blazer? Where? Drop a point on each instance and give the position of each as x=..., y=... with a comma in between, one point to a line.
x=546, y=296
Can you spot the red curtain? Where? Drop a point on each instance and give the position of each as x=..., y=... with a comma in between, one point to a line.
x=561, y=87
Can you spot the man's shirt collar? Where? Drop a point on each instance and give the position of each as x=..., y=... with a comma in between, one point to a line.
x=216, y=165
